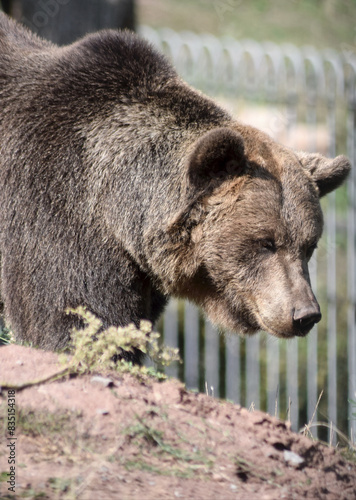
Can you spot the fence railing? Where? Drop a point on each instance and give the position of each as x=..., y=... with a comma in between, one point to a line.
x=305, y=99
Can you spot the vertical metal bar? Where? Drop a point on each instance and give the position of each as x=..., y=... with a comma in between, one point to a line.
x=272, y=348
x=212, y=358
x=191, y=346
x=292, y=395
x=292, y=382
x=170, y=332
x=233, y=368
x=351, y=258
x=331, y=286
x=312, y=358
x=332, y=327
x=253, y=372
x=312, y=343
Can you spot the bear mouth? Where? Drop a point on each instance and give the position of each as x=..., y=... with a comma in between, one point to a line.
x=295, y=330
x=303, y=331
x=243, y=317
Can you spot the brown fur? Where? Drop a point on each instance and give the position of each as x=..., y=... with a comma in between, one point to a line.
x=120, y=186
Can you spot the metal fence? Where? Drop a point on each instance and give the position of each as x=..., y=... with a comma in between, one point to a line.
x=304, y=99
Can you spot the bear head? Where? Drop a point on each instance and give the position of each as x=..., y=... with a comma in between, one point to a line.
x=251, y=222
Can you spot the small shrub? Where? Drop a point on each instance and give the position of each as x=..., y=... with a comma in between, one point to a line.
x=94, y=349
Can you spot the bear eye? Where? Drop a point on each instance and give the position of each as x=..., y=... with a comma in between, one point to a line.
x=268, y=244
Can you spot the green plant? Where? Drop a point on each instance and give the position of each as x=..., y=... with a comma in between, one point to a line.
x=88, y=355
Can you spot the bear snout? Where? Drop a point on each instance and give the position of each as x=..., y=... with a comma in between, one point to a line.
x=288, y=311
x=305, y=317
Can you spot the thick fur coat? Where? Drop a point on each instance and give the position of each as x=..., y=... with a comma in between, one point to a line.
x=121, y=186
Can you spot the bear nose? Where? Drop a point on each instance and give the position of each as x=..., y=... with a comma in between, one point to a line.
x=306, y=317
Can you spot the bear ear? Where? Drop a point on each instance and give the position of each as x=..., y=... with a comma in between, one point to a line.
x=216, y=155
x=327, y=173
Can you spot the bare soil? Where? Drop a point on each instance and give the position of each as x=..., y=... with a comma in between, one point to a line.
x=90, y=438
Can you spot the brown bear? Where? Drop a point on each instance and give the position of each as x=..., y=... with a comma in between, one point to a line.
x=121, y=186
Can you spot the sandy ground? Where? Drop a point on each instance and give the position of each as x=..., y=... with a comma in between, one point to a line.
x=91, y=438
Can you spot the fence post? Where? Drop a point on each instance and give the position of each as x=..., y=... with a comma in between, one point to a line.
x=311, y=89
x=170, y=332
x=351, y=251
x=273, y=372
x=212, y=359
x=253, y=372
x=191, y=346
x=292, y=395
x=331, y=281
x=233, y=368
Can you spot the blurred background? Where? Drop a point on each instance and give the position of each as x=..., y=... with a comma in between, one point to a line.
x=288, y=68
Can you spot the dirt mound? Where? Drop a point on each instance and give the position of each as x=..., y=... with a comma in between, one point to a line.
x=114, y=437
